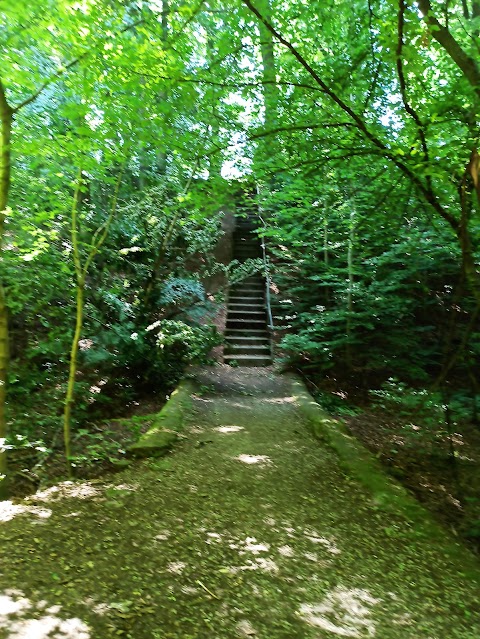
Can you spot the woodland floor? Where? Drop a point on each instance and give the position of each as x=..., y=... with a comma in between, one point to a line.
x=419, y=457
x=250, y=529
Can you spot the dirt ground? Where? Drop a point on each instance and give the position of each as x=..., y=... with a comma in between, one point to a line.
x=449, y=488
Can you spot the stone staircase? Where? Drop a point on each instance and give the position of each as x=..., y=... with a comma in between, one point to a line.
x=247, y=335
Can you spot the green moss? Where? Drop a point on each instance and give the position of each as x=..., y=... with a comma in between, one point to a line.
x=388, y=495
x=162, y=435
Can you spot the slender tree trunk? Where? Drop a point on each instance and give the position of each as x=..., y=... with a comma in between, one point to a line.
x=270, y=90
x=351, y=281
x=81, y=275
x=69, y=398
x=326, y=257
x=6, y=119
x=162, y=155
x=3, y=394
x=325, y=242
x=80, y=289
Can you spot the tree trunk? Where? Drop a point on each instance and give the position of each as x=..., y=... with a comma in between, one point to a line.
x=442, y=35
x=270, y=90
x=69, y=398
x=162, y=155
x=348, y=328
x=3, y=380
x=6, y=119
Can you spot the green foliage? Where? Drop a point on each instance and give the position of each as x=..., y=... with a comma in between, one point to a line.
x=398, y=398
x=363, y=202
x=179, y=291
x=189, y=343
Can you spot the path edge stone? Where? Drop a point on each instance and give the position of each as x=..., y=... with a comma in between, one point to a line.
x=163, y=434
x=388, y=494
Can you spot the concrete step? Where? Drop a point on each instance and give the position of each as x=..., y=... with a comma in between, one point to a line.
x=247, y=349
x=251, y=294
x=244, y=289
x=247, y=316
x=247, y=334
x=248, y=360
x=248, y=286
x=239, y=289
x=246, y=299
x=246, y=324
x=238, y=307
x=254, y=313
x=255, y=340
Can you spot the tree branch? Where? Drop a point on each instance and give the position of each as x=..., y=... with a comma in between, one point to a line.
x=375, y=141
x=442, y=35
x=300, y=127
x=61, y=72
x=403, y=86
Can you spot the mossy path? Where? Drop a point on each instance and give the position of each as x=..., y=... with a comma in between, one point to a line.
x=250, y=529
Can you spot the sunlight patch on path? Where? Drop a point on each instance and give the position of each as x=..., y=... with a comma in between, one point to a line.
x=329, y=545
x=163, y=535
x=176, y=567
x=264, y=564
x=343, y=612
x=9, y=510
x=66, y=490
x=245, y=629
x=229, y=429
x=254, y=459
x=43, y=621
x=251, y=545
x=278, y=400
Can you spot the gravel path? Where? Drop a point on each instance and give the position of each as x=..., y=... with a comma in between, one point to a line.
x=250, y=529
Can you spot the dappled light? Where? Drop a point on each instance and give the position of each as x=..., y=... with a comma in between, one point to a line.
x=329, y=545
x=163, y=535
x=125, y=487
x=262, y=460
x=204, y=400
x=245, y=628
x=20, y=618
x=67, y=490
x=343, y=612
x=279, y=400
x=9, y=510
x=229, y=429
x=176, y=567
x=242, y=405
x=263, y=564
x=239, y=313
